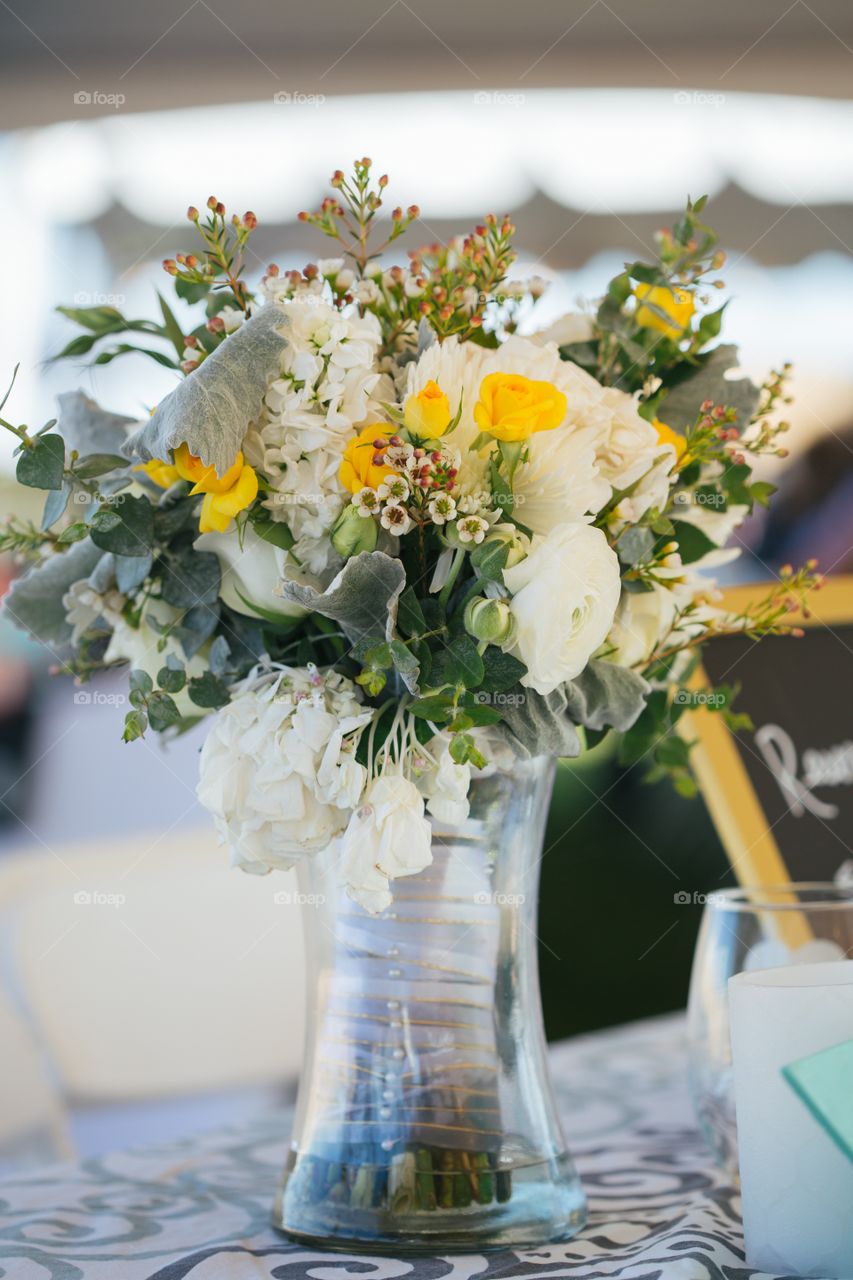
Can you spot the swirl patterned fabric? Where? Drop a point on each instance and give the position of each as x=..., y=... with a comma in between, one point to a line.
x=199, y=1209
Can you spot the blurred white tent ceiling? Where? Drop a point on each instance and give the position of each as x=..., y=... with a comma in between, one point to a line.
x=166, y=53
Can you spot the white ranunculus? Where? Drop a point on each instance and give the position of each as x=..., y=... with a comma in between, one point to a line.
x=387, y=836
x=278, y=769
x=642, y=620
x=564, y=597
x=145, y=648
x=250, y=568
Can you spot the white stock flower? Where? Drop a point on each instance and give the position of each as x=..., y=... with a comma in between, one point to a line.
x=387, y=836
x=328, y=378
x=564, y=597
x=278, y=769
x=250, y=568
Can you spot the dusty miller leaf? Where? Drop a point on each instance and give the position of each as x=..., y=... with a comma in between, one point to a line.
x=211, y=409
x=34, y=602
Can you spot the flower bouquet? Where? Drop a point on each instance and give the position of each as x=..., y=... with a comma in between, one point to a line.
x=402, y=548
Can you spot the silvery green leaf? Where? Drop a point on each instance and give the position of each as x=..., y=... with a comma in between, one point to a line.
x=211, y=410
x=539, y=724
x=605, y=696
x=679, y=408
x=362, y=597
x=131, y=572
x=88, y=428
x=103, y=577
x=34, y=602
x=55, y=504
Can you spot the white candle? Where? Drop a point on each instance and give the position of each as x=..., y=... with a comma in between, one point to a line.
x=796, y=1183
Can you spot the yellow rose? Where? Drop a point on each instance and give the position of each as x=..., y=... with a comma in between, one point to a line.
x=676, y=304
x=224, y=496
x=428, y=413
x=512, y=407
x=162, y=473
x=358, y=469
x=666, y=435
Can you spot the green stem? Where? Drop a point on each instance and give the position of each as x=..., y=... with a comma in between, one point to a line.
x=458, y=558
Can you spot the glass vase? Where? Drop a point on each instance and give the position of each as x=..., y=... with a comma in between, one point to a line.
x=425, y=1118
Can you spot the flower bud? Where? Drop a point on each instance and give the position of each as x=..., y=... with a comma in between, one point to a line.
x=489, y=620
x=509, y=535
x=353, y=533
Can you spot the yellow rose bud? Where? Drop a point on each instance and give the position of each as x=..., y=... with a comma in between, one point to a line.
x=358, y=469
x=512, y=407
x=666, y=435
x=428, y=413
x=162, y=473
x=668, y=310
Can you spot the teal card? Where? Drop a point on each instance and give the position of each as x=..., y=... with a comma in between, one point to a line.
x=824, y=1081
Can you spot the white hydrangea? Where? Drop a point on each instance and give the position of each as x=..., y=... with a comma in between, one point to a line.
x=328, y=378
x=278, y=769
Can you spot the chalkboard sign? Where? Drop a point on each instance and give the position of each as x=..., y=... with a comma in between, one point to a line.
x=782, y=797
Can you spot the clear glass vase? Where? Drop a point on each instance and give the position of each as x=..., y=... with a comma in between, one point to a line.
x=425, y=1117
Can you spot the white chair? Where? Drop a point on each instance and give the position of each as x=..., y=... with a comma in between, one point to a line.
x=153, y=970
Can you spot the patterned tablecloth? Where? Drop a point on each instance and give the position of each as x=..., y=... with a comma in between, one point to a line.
x=200, y=1208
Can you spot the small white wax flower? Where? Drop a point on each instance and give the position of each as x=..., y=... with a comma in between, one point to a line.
x=395, y=487
x=345, y=279
x=396, y=519
x=442, y=508
x=472, y=529
x=329, y=266
x=367, y=501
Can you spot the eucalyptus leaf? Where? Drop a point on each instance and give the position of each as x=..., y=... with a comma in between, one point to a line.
x=41, y=466
x=34, y=602
x=55, y=504
x=211, y=409
x=190, y=578
x=125, y=527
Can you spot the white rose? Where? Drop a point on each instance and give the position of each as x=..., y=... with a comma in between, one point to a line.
x=250, y=568
x=144, y=648
x=564, y=598
x=387, y=836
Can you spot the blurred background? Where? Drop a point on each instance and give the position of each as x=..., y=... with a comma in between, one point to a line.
x=147, y=991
